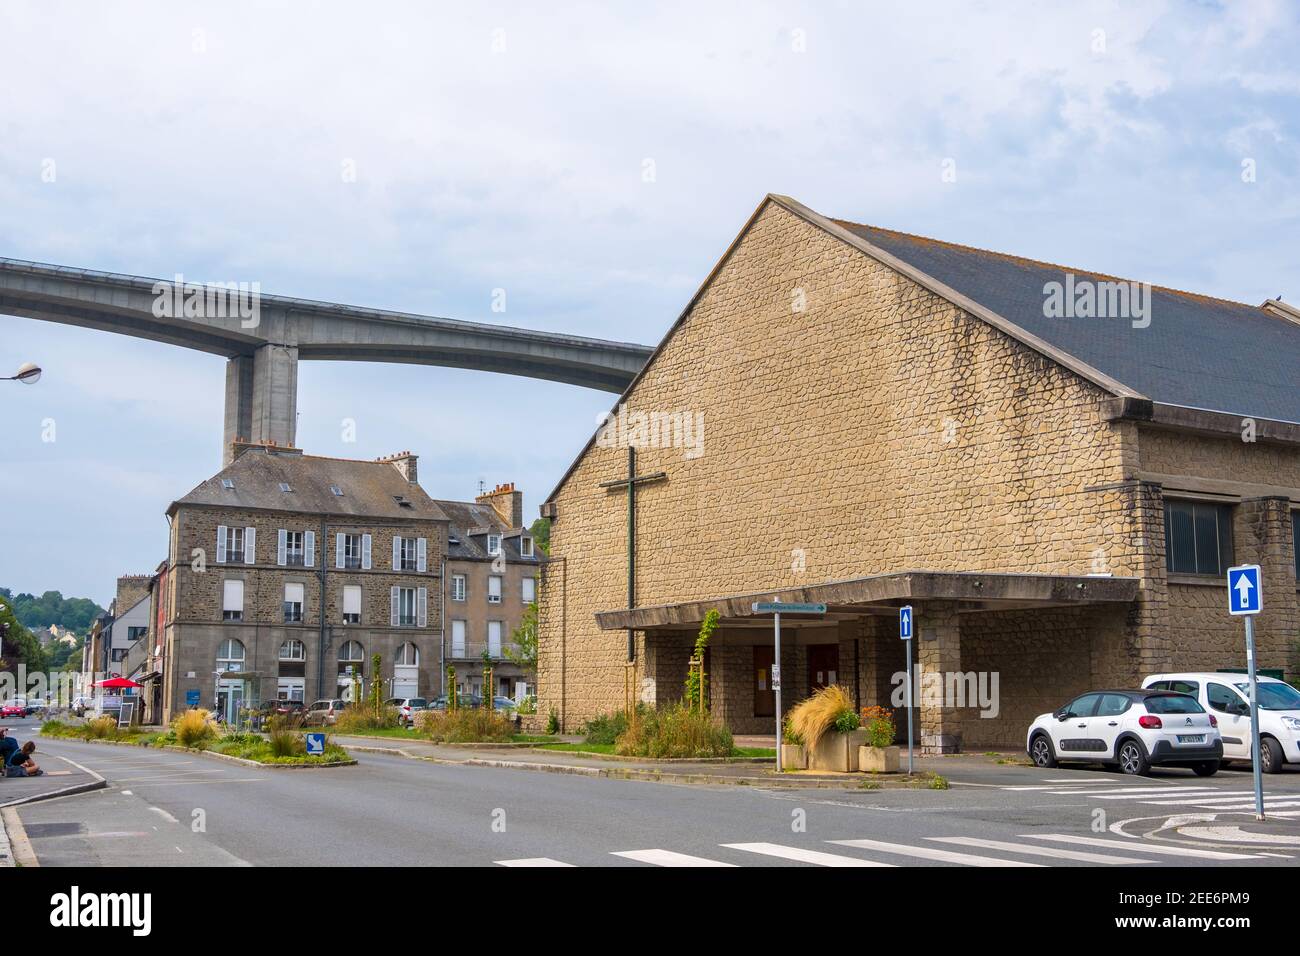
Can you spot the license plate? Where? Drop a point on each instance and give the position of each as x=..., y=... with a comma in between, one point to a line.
x=1191, y=738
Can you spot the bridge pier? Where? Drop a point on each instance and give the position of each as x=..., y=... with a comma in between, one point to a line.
x=261, y=397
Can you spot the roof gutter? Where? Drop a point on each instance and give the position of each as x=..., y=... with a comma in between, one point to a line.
x=1201, y=421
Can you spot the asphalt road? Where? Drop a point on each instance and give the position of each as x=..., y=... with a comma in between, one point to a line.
x=167, y=808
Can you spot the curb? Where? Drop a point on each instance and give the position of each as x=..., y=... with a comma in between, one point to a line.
x=618, y=773
x=17, y=849
x=97, y=783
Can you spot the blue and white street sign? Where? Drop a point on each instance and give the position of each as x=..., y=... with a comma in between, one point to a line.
x=315, y=744
x=1244, y=594
x=905, y=622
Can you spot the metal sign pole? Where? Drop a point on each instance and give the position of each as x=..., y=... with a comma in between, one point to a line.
x=1254, y=718
x=776, y=686
x=908, y=645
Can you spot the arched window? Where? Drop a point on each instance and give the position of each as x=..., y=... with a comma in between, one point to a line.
x=230, y=655
x=408, y=655
x=293, y=650
x=351, y=653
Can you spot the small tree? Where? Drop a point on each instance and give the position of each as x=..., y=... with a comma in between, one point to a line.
x=524, y=653
x=697, y=683
x=376, y=684
x=487, y=680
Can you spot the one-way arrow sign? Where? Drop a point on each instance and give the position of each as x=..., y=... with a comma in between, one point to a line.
x=1244, y=595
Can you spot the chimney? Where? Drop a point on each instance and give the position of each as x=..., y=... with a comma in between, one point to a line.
x=404, y=462
x=241, y=445
x=507, y=503
x=130, y=589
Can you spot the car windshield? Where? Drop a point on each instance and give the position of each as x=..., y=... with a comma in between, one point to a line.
x=1273, y=696
x=1173, y=704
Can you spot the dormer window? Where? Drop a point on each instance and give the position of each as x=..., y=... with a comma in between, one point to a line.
x=228, y=484
x=284, y=486
x=336, y=491
x=526, y=546
x=494, y=544
x=402, y=502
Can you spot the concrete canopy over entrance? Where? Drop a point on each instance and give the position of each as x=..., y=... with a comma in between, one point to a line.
x=976, y=634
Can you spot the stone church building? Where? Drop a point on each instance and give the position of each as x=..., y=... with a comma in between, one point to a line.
x=1053, y=467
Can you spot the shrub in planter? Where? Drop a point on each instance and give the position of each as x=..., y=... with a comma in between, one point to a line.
x=877, y=753
x=828, y=723
x=283, y=738
x=675, y=731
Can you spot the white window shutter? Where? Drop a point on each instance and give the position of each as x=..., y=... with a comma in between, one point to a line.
x=365, y=551
x=309, y=546
x=393, y=607
x=397, y=553
x=338, y=550
x=422, y=607
x=281, y=546
x=221, y=544
x=422, y=555
x=250, y=545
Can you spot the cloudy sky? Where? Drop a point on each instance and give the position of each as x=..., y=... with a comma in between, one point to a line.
x=507, y=146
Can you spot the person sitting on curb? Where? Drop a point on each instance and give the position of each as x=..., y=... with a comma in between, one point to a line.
x=21, y=764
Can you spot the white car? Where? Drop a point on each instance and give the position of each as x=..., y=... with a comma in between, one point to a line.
x=1227, y=696
x=1133, y=730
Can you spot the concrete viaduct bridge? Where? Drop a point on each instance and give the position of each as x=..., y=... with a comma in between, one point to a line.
x=263, y=337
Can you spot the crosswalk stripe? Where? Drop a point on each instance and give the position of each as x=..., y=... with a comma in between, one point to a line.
x=531, y=861
x=1139, y=790
x=1138, y=847
x=931, y=853
x=1048, y=851
x=668, y=858
x=1078, y=780
x=802, y=855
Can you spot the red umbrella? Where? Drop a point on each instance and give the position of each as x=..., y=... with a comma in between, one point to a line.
x=118, y=682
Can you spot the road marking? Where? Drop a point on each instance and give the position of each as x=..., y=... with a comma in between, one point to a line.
x=1233, y=834
x=931, y=853
x=1131, y=790
x=668, y=858
x=1078, y=780
x=531, y=861
x=164, y=814
x=1049, y=851
x=1207, y=794
x=802, y=855
x=1139, y=847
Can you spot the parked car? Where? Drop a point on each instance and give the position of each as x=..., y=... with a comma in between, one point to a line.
x=1131, y=729
x=17, y=707
x=324, y=712
x=462, y=700
x=37, y=707
x=407, y=707
x=505, y=703
x=1227, y=697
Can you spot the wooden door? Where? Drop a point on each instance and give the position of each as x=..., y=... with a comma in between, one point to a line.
x=823, y=666
x=764, y=695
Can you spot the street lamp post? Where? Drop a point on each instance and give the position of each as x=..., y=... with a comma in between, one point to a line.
x=29, y=373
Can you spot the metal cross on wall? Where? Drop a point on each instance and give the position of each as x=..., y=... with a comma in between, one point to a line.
x=630, y=483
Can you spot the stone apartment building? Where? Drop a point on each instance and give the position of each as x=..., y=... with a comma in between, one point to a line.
x=854, y=416
x=492, y=570
x=287, y=572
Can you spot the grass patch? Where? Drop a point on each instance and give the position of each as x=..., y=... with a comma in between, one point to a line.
x=365, y=718
x=465, y=725
x=675, y=731
x=102, y=728
x=254, y=747
x=402, y=733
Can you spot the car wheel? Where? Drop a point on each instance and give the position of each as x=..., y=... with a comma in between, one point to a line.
x=1133, y=759
x=1270, y=755
x=1207, y=769
x=1040, y=751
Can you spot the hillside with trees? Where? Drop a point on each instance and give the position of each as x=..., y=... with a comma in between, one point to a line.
x=76, y=614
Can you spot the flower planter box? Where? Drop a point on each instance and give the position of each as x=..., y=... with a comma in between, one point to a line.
x=837, y=753
x=878, y=759
x=793, y=757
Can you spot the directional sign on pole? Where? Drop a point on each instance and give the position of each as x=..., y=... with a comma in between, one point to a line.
x=905, y=622
x=777, y=607
x=315, y=744
x=1244, y=594
x=905, y=632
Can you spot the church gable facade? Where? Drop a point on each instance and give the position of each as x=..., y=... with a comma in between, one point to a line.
x=824, y=424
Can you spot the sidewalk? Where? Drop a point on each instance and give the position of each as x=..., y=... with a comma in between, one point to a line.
x=749, y=773
x=61, y=777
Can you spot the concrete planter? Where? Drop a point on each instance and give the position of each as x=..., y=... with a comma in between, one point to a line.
x=837, y=752
x=793, y=757
x=878, y=759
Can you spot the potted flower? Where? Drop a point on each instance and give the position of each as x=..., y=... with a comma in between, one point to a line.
x=793, y=754
x=828, y=724
x=878, y=754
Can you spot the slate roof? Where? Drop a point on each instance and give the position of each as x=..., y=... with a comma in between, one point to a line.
x=470, y=523
x=369, y=487
x=1198, y=352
